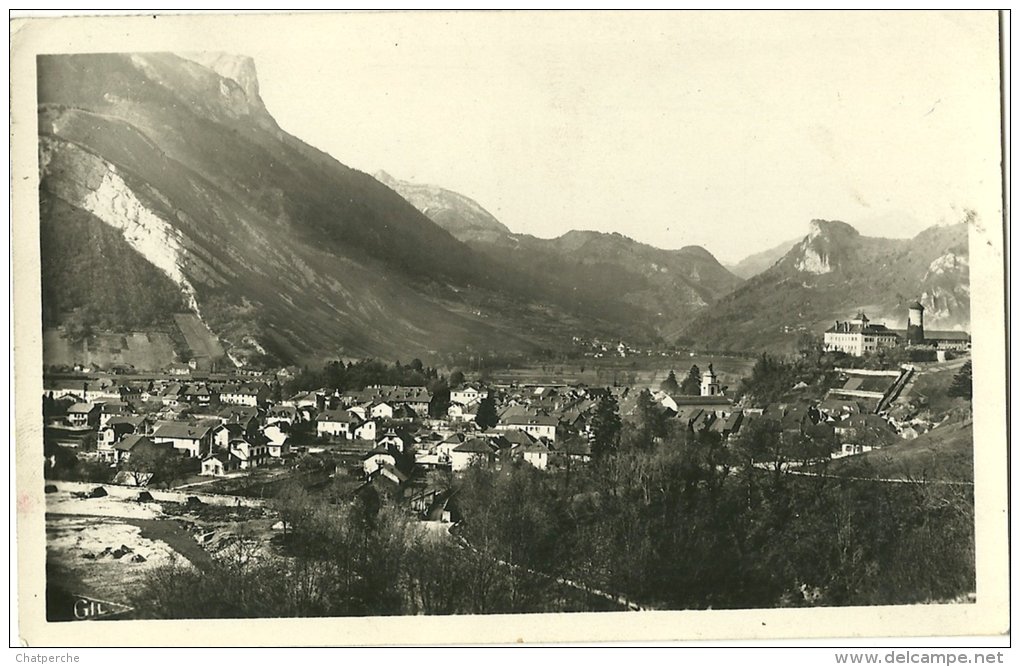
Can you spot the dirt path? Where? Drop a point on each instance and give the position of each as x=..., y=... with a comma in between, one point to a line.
x=178, y=538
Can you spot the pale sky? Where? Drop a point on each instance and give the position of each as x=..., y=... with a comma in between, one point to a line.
x=726, y=130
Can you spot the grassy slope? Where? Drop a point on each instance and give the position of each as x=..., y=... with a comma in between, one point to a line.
x=944, y=453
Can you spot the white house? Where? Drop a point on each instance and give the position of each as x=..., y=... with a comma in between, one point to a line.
x=366, y=430
x=462, y=412
x=245, y=393
x=249, y=453
x=445, y=448
x=468, y=393
x=377, y=457
x=83, y=414
x=219, y=464
x=381, y=410
x=224, y=433
x=115, y=430
x=336, y=423
x=470, y=451
x=540, y=426
x=391, y=439
x=276, y=440
x=193, y=439
x=536, y=454
x=858, y=336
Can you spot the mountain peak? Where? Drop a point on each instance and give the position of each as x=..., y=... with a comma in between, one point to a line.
x=462, y=216
x=384, y=178
x=831, y=228
x=235, y=67
x=697, y=251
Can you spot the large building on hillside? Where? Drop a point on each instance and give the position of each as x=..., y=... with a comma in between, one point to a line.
x=859, y=336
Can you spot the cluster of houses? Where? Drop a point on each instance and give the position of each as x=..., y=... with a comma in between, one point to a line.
x=226, y=425
x=388, y=429
x=852, y=417
x=387, y=434
x=230, y=424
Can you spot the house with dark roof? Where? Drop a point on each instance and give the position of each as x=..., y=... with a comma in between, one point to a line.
x=199, y=394
x=111, y=409
x=386, y=454
x=283, y=413
x=251, y=451
x=113, y=432
x=572, y=448
x=172, y=395
x=434, y=504
x=729, y=425
x=252, y=394
x=131, y=445
x=84, y=414
x=219, y=464
x=536, y=453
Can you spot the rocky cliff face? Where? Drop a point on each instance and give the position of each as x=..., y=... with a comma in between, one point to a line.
x=461, y=216
x=74, y=175
x=826, y=245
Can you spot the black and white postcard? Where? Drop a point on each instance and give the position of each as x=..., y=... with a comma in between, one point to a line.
x=494, y=327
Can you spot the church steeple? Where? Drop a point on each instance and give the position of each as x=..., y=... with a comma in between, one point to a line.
x=710, y=383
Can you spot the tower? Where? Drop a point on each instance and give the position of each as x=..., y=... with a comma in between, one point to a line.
x=861, y=319
x=709, y=383
x=915, y=324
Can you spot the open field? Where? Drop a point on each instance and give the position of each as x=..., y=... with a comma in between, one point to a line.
x=930, y=387
x=143, y=350
x=632, y=371
x=203, y=342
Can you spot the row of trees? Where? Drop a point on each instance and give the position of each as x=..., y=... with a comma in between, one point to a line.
x=352, y=556
x=691, y=386
x=357, y=375
x=693, y=523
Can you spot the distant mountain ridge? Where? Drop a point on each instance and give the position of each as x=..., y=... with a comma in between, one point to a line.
x=757, y=262
x=461, y=216
x=669, y=286
x=832, y=273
